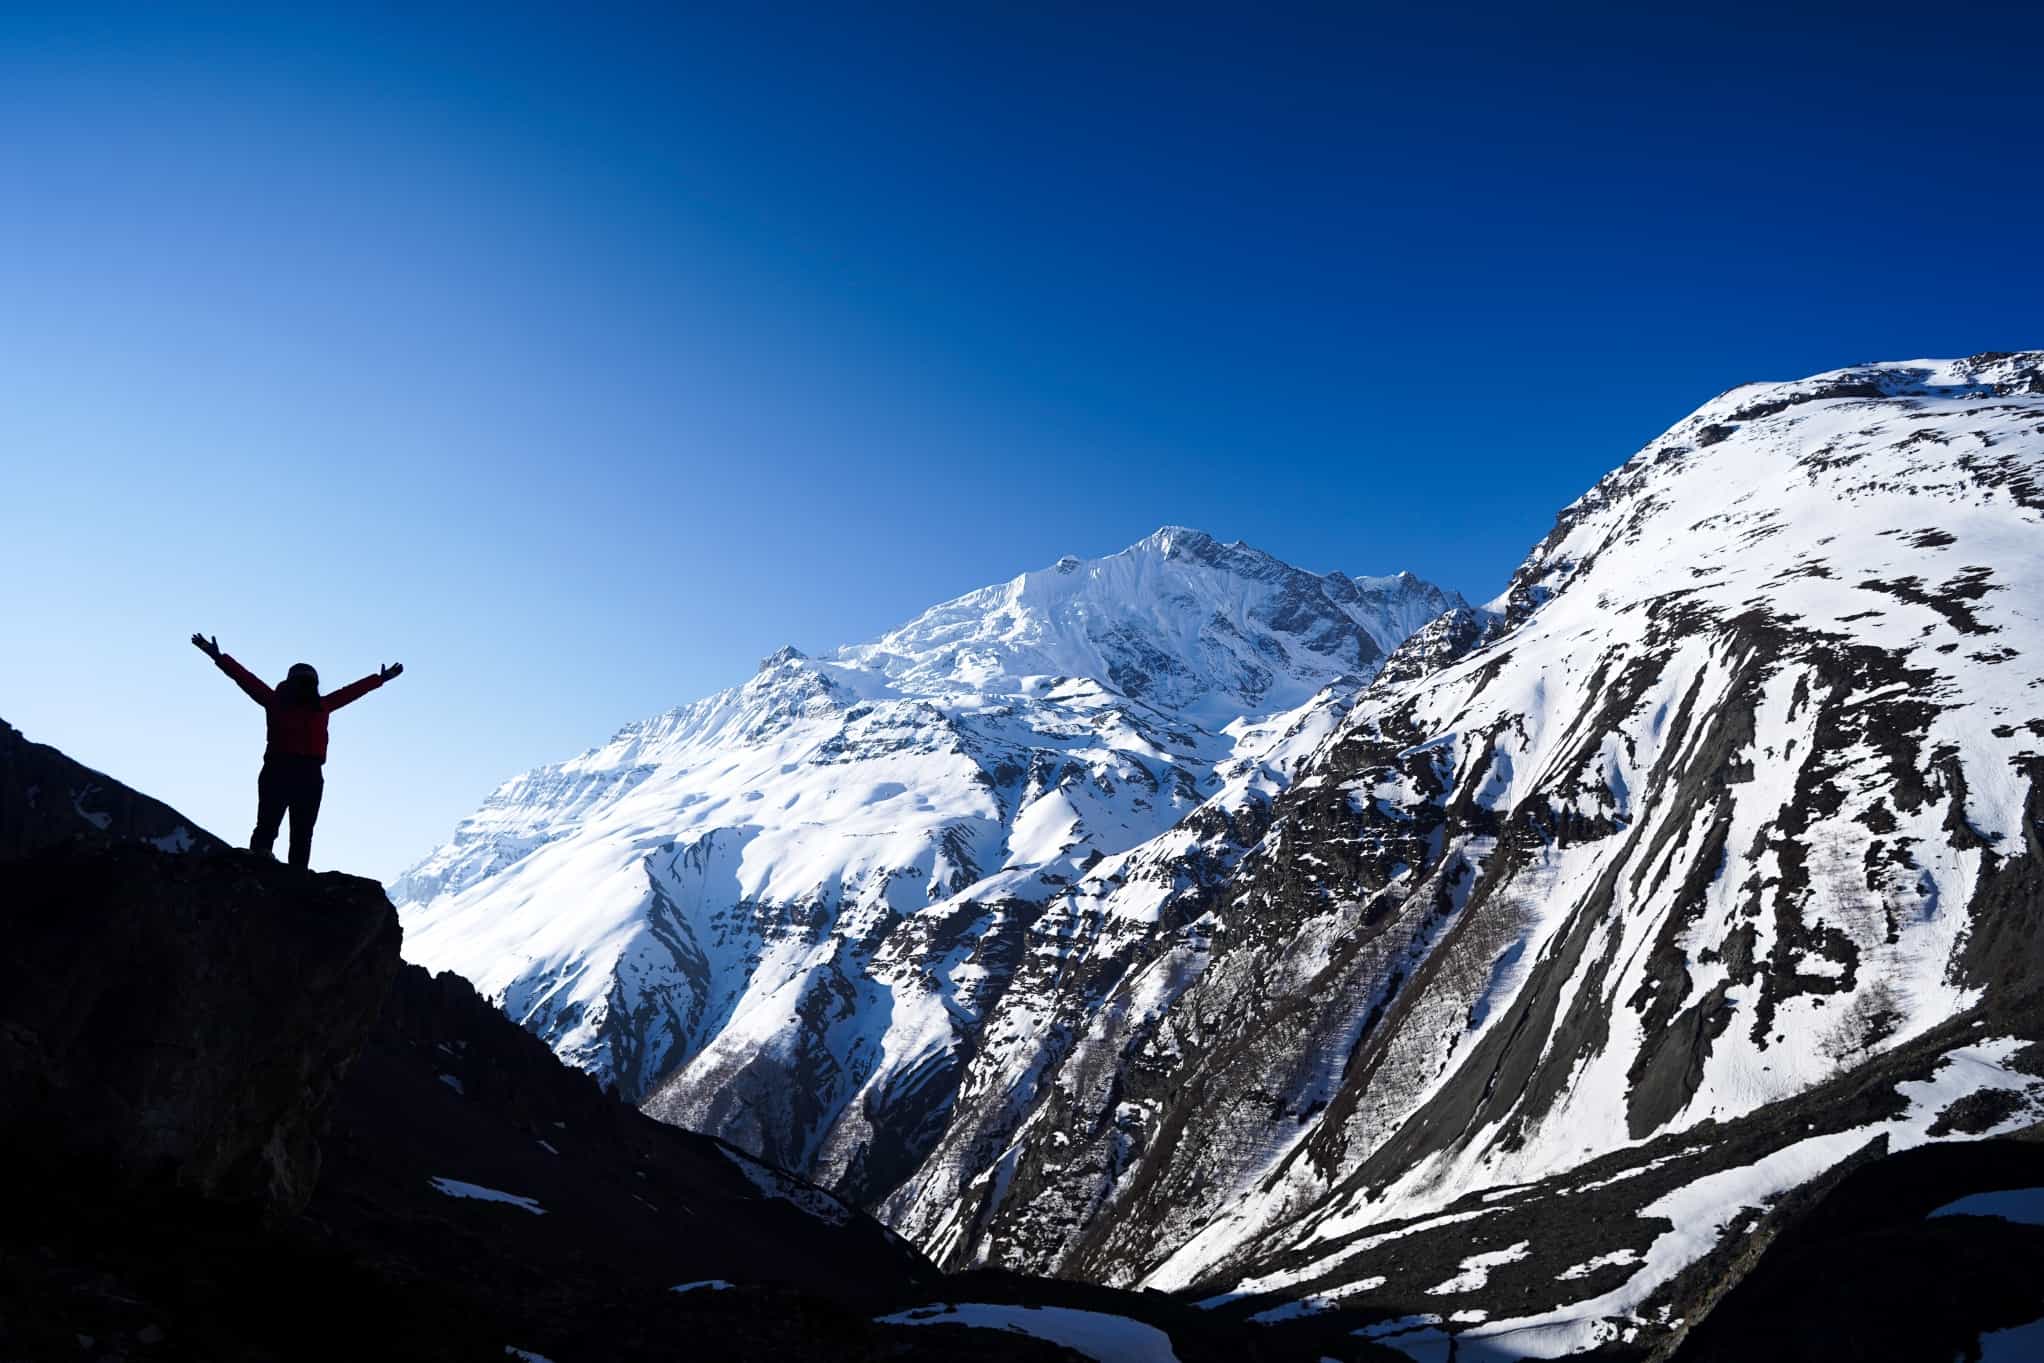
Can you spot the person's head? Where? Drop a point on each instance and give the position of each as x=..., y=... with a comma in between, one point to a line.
x=300, y=686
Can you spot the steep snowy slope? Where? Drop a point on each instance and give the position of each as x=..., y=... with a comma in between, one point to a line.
x=796, y=902
x=1706, y=864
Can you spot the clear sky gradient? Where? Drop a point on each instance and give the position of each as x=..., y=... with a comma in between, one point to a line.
x=580, y=356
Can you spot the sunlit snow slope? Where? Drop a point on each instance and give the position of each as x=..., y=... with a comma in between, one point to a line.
x=1707, y=861
x=783, y=914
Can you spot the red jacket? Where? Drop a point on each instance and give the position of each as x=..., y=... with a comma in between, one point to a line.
x=296, y=730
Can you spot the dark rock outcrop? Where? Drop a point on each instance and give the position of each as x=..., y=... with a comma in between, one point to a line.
x=175, y=1021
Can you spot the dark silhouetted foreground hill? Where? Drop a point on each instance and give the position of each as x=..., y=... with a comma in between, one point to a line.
x=235, y=1126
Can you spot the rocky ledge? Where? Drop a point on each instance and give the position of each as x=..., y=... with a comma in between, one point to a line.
x=172, y=1022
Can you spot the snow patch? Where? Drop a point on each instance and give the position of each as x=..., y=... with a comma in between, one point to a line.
x=454, y=1187
x=1110, y=1339
x=1476, y=1269
x=1614, y=1259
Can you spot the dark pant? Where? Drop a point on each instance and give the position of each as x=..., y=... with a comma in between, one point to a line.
x=294, y=784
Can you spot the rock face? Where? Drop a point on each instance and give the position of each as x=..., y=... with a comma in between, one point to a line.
x=784, y=914
x=183, y=1020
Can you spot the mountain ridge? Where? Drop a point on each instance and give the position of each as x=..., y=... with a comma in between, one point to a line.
x=1667, y=841
x=1701, y=861
x=829, y=866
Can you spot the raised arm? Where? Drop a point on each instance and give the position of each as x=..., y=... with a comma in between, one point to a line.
x=245, y=679
x=354, y=691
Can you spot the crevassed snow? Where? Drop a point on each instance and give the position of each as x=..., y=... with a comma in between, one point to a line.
x=1428, y=1345
x=454, y=1187
x=1110, y=1339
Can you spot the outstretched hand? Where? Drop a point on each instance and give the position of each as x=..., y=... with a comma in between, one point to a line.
x=209, y=647
x=390, y=670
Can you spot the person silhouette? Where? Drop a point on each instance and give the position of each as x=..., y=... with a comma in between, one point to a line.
x=291, y=780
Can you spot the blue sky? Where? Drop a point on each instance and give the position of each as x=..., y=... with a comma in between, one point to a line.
x=580, y=356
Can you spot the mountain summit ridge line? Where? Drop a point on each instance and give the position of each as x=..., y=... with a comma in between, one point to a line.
x=958, y=770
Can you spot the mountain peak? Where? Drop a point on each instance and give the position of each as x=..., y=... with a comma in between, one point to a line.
x=1178, y=620
x=1180, y=541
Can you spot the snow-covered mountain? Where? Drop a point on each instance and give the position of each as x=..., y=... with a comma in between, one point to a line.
x=784, y=914
x=1705, y=864
x=1165, y=921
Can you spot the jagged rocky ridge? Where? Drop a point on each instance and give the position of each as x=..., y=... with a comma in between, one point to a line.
x=784, y=914
x=1705, y=863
